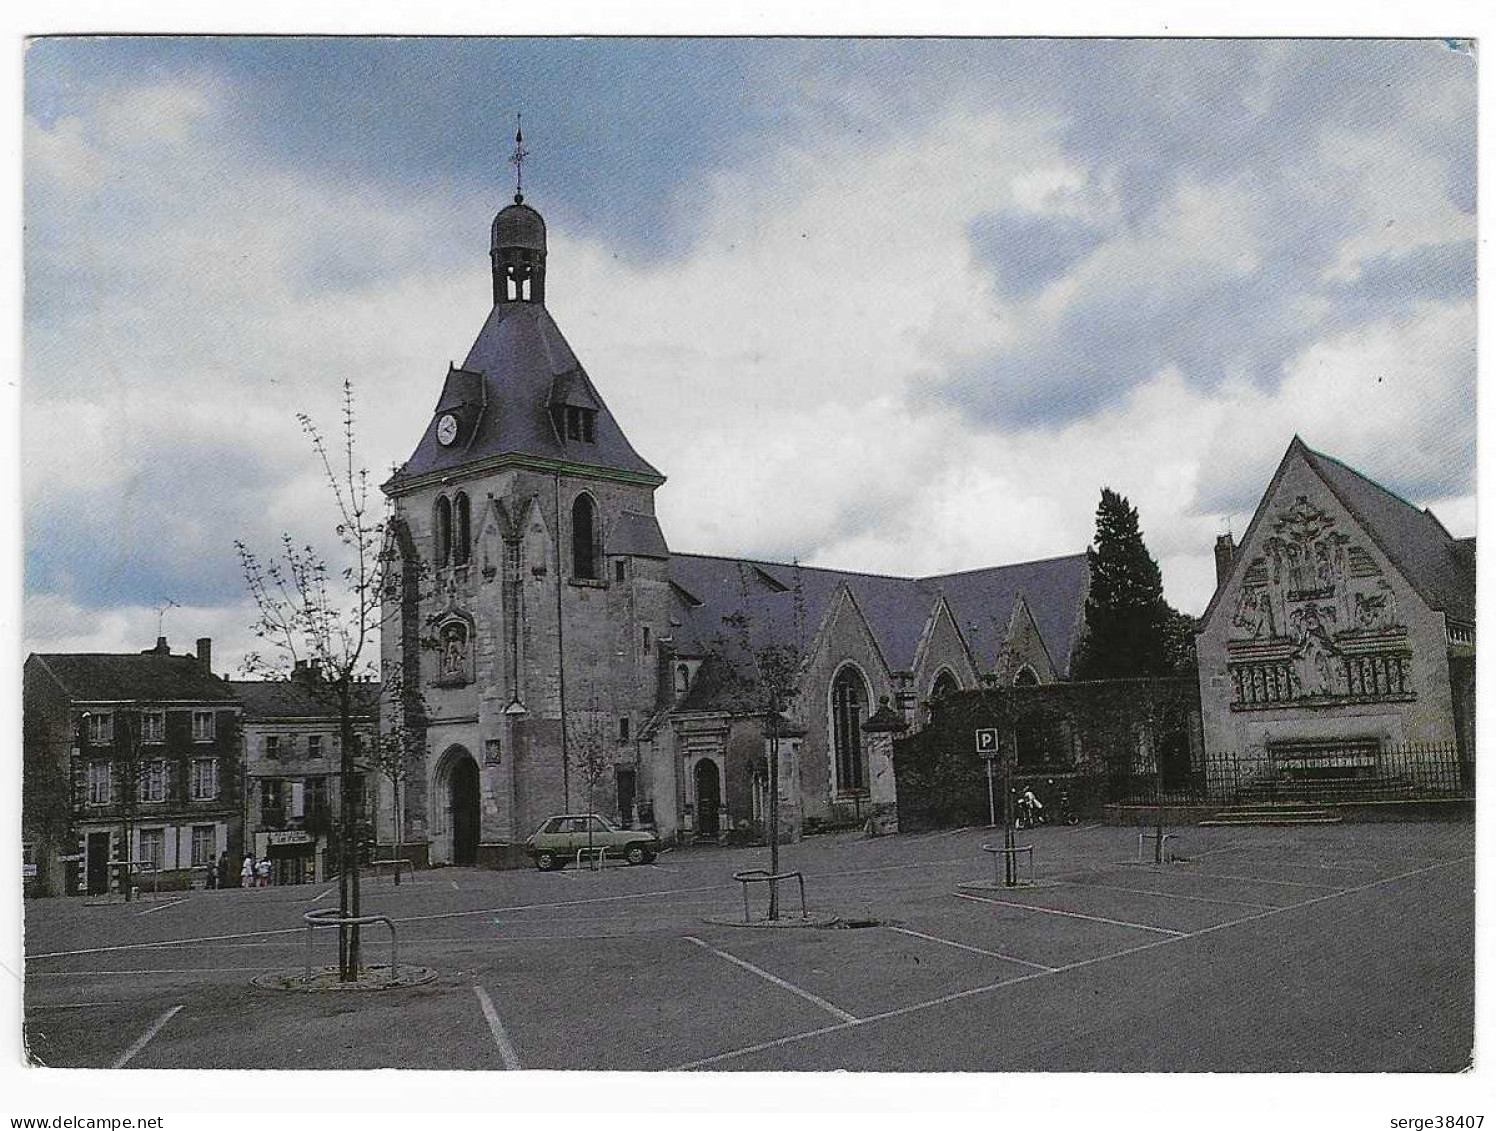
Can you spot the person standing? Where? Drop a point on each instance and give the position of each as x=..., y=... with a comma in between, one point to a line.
x=262, y=870
x=247, y=872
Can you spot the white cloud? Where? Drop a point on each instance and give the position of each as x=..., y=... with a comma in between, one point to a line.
x=778, y=372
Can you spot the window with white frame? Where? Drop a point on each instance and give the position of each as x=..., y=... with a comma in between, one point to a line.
x=272, y=746
x=99, y=782
x=101, y=727
x=314, y=746
x=153, y=848
x=204, y=779
x=153, y=781
x=204, y=844
x=202, y=726
x=153, y=726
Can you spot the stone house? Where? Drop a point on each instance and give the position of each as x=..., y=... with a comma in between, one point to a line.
x=139, y=745
x=293, y=769
x=1342, y=629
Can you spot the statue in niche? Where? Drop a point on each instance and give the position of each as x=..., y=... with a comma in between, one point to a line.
x=1315, y=669
x=453, y=650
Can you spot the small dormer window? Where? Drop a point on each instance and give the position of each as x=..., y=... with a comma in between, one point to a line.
x=581, y=424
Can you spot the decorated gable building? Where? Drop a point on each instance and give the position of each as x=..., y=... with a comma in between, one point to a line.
x=1341, y=638
x=557, y=657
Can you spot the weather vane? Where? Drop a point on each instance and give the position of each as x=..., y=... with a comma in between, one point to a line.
x=517, y=158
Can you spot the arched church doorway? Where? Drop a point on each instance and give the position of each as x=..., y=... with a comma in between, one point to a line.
x=708, y=798
x=463, y=800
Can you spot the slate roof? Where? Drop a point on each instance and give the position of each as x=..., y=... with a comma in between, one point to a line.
x=637, y=534
x=502, y=393
x=1053, y=588
x=897, y=608
x=1437, y=565
x=154, y=677
x=289, y=698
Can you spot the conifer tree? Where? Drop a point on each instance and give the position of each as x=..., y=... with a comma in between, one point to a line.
x=1130, y=629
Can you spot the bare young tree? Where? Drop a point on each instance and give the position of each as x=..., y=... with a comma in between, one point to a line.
x=771, y=654
x=329, y=614
x=400, y=746
x=590, y=752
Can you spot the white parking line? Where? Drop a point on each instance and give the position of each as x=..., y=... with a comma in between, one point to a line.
x=976, y=991
x=835, y=1011
x=145, y=1038
x=973, y=949
x=77, y=1005
x=160, y=907
x=1165, y=894
x=1069, y=914
x=454, y=885
x=496, y=1027
x=324, y=895
x=1260, y=880
x=137, y=973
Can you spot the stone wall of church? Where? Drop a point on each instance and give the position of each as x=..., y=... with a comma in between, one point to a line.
x=474, y=618
x=1317, y=638
x=844, y=640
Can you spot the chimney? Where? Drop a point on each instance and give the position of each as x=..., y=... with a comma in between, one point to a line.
x=159, y=650
x=1225, y=555
x=205, y=653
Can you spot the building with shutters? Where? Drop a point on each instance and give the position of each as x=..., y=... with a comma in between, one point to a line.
x=560, y=657
x=127, y=759
x=293, y=770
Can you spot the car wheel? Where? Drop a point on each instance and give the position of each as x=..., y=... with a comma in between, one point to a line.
x=637, y=854
x=545, y=861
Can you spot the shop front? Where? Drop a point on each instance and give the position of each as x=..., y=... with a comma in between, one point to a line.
x=296, y=857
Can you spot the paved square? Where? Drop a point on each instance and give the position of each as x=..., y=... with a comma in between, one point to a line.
x=1347, y=948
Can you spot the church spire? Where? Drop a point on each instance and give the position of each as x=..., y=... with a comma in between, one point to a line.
x=517, y=248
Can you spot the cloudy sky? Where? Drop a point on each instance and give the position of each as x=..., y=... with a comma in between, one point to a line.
x=895, y=306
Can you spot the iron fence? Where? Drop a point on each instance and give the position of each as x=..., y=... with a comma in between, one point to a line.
x=1303, y=774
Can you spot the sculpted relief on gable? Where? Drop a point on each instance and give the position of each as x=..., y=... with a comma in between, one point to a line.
x=1315, y=619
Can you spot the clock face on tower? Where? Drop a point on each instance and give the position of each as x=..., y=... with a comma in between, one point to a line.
x=446, y=429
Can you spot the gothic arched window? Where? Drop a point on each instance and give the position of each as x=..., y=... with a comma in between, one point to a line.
x=584, y=547
x=1025, y=677
x=443, y=531
x=848, y=704
x=945, y=684
x=461, y=529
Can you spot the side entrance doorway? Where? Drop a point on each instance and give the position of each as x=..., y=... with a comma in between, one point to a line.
x=98, y=863
x=708, y=799
x=464, y=808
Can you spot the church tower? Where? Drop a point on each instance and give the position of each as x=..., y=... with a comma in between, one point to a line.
x=532, y=591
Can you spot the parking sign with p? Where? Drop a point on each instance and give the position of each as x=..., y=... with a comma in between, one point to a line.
x=987, y=742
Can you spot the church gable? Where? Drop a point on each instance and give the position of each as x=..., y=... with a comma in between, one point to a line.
x=1313, y=611
x=942, y=649
x=845, y=635
x=1024, y=658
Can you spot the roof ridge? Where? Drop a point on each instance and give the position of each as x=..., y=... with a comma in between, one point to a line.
x=1370, y=482
x=913, y=578
x=1005, y=565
